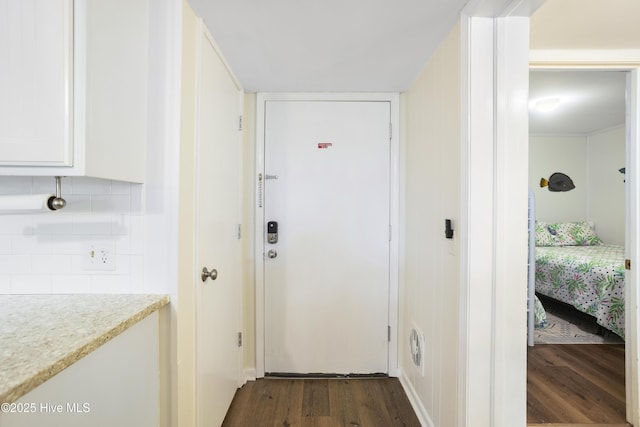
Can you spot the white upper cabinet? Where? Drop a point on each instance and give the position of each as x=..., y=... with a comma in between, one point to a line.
x=35, y=82
x=73, y=88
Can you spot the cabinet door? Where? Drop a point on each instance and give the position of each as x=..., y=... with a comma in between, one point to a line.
x=36, y=82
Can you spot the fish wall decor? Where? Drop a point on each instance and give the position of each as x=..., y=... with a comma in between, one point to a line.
x=558, y=182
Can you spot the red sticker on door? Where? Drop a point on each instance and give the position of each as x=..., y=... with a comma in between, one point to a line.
x=324, y=145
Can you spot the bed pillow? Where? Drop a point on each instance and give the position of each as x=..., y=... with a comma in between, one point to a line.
x=573, y=234
x=543, y=237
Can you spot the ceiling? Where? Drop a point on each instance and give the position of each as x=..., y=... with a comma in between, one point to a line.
x=589, y=101
x=382, y=46
x=328, y=45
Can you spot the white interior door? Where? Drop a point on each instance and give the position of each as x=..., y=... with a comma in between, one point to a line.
x=218, y=247
x=326, y=284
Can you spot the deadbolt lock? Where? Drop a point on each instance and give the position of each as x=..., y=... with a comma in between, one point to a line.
x=272, y=232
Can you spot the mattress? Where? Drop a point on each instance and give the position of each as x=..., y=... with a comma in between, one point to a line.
x=590, y=278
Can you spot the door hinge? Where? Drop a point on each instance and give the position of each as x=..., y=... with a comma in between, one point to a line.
x=389, y=333
x=239, y=339
x=239, y=232
x=240, y=123
x=390, y=232
x=627, y=264
x=390, y=131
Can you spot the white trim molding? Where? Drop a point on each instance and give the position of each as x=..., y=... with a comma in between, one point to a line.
x=494, y=156
x=414, y=399
x=632, y=248
x=249, y=374
x=567, y=58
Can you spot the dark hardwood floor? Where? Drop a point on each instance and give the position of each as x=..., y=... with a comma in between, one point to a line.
x=348, y=402
x=580, y=385
x=576, y=384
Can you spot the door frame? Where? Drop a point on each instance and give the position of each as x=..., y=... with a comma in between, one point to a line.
x=628, y=61
x=394, y=213
x=493, y=212
x=495, y=64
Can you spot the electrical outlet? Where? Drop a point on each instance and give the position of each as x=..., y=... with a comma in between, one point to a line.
x=100, y=256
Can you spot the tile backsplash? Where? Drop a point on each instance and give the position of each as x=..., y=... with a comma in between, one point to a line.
x=49, y=252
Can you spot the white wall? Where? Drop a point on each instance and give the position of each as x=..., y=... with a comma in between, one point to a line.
x=44, y=252
x=586, y=24
x=430, y=278
x=566, y=154
x=592, y=162
x=606, y=199
x=162, y=194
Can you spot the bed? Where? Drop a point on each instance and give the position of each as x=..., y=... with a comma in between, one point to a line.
x=574, y=266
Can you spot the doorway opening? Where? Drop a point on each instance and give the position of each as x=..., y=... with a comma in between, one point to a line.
x=579, y=127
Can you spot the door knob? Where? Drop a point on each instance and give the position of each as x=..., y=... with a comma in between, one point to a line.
x=272, y=254
x=205, y=274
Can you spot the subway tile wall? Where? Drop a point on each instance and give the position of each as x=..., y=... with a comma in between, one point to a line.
x=47, y=252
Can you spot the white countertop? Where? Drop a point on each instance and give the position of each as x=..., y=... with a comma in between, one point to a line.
x=40, y=335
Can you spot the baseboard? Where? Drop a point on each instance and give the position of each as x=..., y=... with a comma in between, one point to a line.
x=249, y=374
x=418, y=407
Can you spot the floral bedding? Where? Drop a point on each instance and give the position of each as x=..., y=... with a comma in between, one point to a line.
x=590, y=278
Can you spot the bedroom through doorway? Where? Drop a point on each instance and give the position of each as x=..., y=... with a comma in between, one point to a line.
x=577, y=173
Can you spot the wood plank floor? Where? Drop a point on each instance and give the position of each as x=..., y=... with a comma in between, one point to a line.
x=576, y=384
x=348, y=402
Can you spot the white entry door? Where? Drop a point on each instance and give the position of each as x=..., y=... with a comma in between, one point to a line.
x=218, y=215
x=326, y=284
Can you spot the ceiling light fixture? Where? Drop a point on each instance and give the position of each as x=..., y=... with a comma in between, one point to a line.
x=545, y=105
